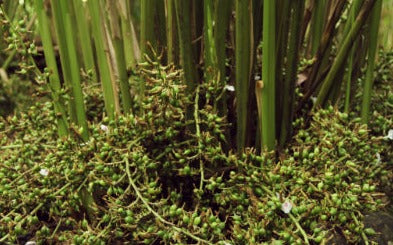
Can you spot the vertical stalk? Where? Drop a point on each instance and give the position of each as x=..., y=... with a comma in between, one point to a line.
x=243, y=54
x=372, y=51
x=130, y=41
x=147, y=26
x=291, y=70
x=317, y=24
x=183, y=16
x=103, y=65
x=171, y=31
x=210, y=55
x=63, y=50
x=221, y=19
x=283, y=19
x=354, y=10
x=343, y=52
x=114, y=19
x=75, y=73
x=268, y=123
x=84, y=38
x=54, y=80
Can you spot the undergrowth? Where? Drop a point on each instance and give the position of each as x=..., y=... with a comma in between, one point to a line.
x=160, y=176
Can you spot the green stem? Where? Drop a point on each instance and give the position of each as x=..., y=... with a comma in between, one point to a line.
x=243, y=53
x=291, y=71
x=268, y=113
x=59, y=19
x=85, y=38
x=75, y=77
x=343, y=52
x=171, y=31
x=372, y=51
x=103, y=65
x=147, y=26
x=183, y=16
x=118, y=44
x=54, y=80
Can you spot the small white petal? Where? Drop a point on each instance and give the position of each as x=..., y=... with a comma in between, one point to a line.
x=104, y=128
x=390, y=134
x=286, y=207
x=30, y=243
x=230, y=88
x=313, y=99
x=257, y=78
x=44, y=172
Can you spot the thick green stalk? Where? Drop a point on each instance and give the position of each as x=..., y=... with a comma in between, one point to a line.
x=343, y=52
x=75, y=76
x=54, y=80
x=171, y=32
x=283, y=19
x=85, y=38
x=355, y=8
x=222, y=16
x=268, y=122
x=372, y=51
x=147, y=26
x=210, y=54
x=103, y=65
x=63, y=51
x=291, y=71
x=317, y=24
x=243, y=54
x=183, y=16
x=117, y=37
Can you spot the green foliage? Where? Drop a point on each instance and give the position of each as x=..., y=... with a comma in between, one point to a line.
x=142, y=172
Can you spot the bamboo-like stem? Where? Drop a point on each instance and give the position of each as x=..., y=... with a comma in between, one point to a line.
x=243, y=53
x=354, y=10
x=171, y=31
x=147, y=26
x=323, y=53
x=130, y=40
x=116, y=32
x=343, y=52
x=268, y=122
x=63, y=51
x=210, y=54
x=372, y=51
x=75, y=75
x=54, y=80
x=283, y=24
x=317, y=24
x=103, y=65
x=221, y=18
x=291, y=71
x=183, y=16
x=85, y=38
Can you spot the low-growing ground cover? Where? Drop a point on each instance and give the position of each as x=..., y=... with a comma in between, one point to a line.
x=154, y=177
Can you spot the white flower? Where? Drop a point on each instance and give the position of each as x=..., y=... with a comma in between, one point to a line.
x=390, y=135
x=286, y=207
x=44, y=172
x=257, y=78
x=104, y=128
x=230, y=88
x=313, y=99
x=30, y=243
